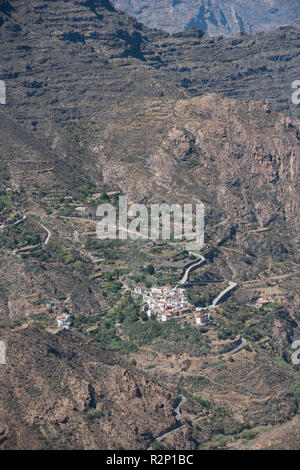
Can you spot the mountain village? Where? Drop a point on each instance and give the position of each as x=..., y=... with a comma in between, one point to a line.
x=167, y=302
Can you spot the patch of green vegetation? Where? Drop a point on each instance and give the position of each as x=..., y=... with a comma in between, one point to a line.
x=201, y=297
x=19, y=236
x=150, y=269
x=226, y=333
x=175, y=338
x=60, y=295
x=40, y=254
x=181, y=256
x=249, y=434
x=87, y=189
x=218, y=443
x=206, y=404
x=107, y=336
x=93, y=244
x=297, y=394
x=194, y=382
x=128, y=311
x=66, y=212
x=156, y=445
x=41, y=319
x=156, y=250
x=77, y=264
x=94, y=415
x=222, y=422
x=106, y=332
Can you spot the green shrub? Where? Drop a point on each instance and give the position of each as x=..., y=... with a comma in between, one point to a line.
x=94, y=414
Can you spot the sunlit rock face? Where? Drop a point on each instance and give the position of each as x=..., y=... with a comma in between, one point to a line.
x=215, y=17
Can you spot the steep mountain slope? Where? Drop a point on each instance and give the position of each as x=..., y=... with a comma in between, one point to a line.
x=27, y=164
x=64, y=61
x=91, y=89
x=34, y=163
x=97, y=104
x=284, y=437
x=227, y=17
x=66, y=392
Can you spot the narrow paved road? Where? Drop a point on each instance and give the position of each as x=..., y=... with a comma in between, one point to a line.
x=238, y=348
x=15, y=223
x=31, y=247
x=232, y=285
x=178, y=408
x=185, y=277
x=25, y=218
x=178, y=425
x=48, y=233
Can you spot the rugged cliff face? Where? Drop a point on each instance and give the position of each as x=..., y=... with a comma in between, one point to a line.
x=240, y=158
x=97, y=103
x=216, y=17
x=105, y=98
x=284, y=437
x=65, y=392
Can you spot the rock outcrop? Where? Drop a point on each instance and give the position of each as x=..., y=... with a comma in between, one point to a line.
x=65, y=392
x=216, y=17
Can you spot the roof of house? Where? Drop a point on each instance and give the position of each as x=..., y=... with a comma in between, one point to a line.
x=201, y=315
x=262, y=301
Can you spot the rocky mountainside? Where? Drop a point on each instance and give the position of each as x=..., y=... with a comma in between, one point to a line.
x=284, y=437
x=98, y=104
x=216, y=17
x=87, y=80
x=65, y=392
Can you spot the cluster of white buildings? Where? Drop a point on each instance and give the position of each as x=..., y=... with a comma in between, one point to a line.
x=167, y=302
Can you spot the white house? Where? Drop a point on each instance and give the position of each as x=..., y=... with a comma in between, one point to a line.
x=139, y=290
x=202, y=318
x=164, y=316
x=81, y=211
x=64, y=321
x=261, y=302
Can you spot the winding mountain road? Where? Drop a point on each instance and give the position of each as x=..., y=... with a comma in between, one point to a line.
x=15, y=223
x=30, y=247
x=183, y=280
x=185, y=277
x=48, y=233
x=232, y=285
x=25, y=218
x=178, y=425
x=238, y=348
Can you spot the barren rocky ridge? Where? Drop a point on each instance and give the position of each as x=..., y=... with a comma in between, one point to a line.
x=98, y=100
x=216, y=17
